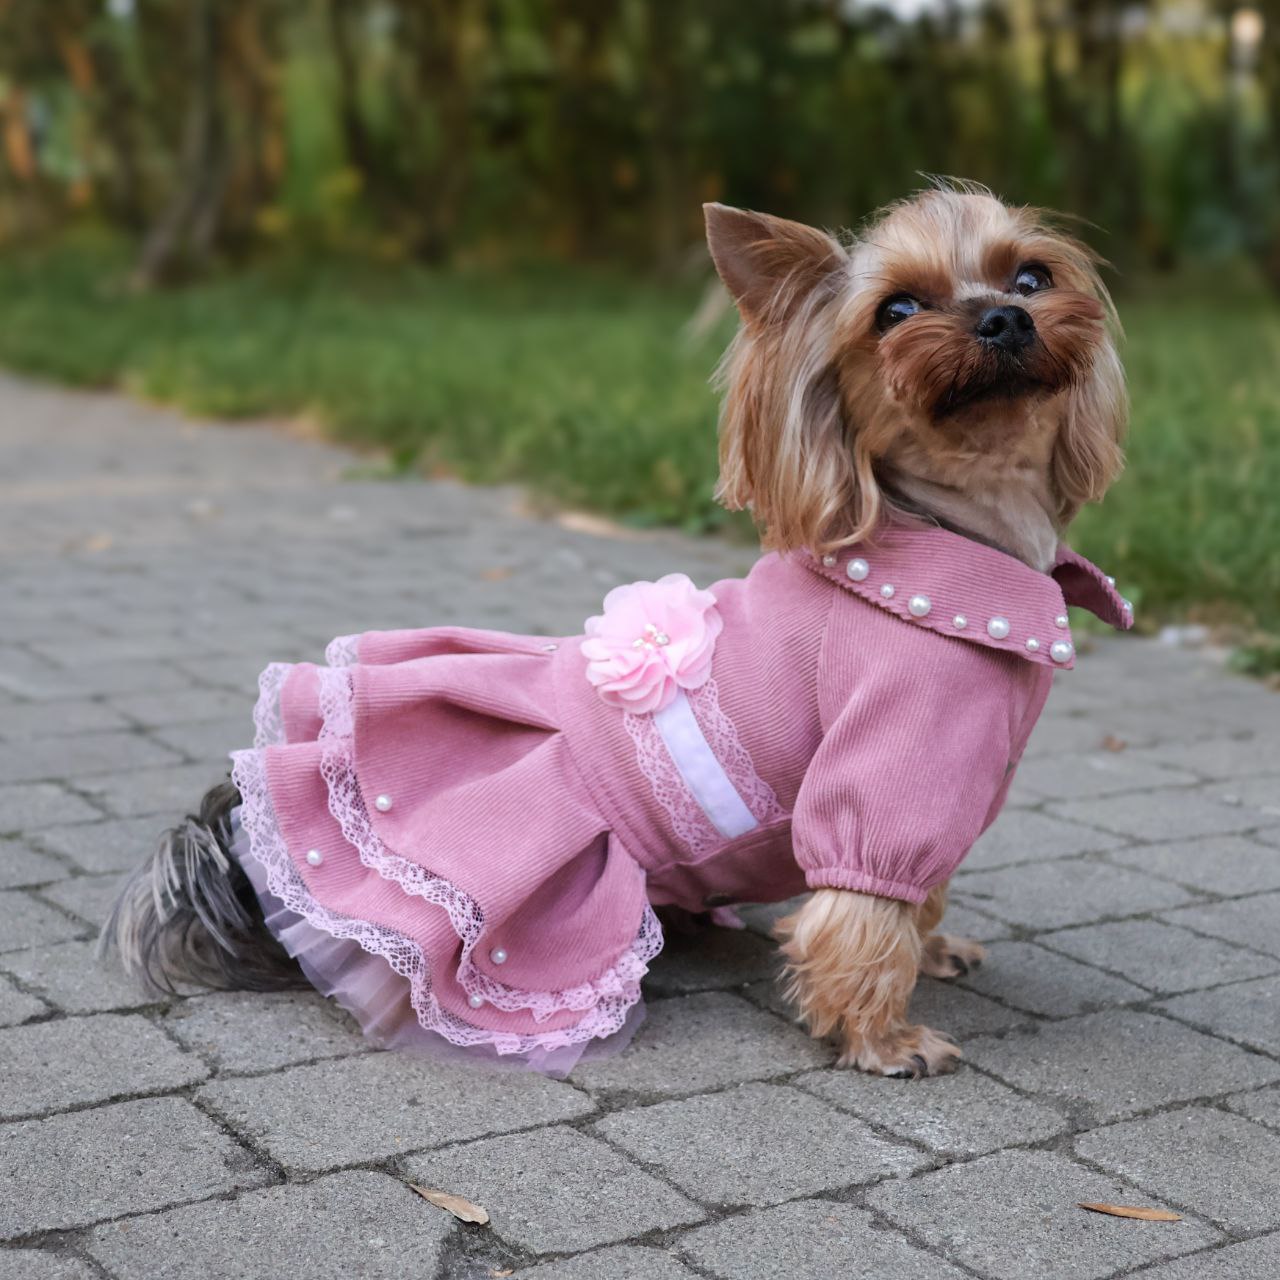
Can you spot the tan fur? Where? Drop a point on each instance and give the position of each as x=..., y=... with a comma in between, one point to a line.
x=826, y=421
x=820, y=410
x=852, y=964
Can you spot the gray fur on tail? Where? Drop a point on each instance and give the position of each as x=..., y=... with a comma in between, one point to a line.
x=189, y=915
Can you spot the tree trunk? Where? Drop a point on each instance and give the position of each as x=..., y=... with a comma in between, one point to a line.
x=183, y=235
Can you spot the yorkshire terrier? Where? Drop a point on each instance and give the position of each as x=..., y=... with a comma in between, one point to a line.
x=913, y=417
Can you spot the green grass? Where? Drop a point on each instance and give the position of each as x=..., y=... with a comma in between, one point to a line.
x=581, y=385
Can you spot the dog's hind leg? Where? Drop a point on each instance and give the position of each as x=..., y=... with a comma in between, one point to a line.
x=943, y=955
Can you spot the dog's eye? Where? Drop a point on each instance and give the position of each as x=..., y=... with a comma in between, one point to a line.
x=895, y=310
x=1031, y=278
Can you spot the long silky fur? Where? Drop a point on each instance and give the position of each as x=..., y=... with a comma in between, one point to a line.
x=189, y=916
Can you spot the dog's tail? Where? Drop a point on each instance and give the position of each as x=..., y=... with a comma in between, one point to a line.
x=189, y=915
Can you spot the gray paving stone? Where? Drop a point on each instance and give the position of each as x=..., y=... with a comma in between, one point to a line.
x=1247, y=1260
x=965, y=1114
x=1023, y=835
x=754, y=1145
x=1252, y=922
x=702, y=1042
x=17, y=1006
x=960, y=1013
x=211, y=741
x=69, y=976
x=1226, y=865
x=80, y=1168
x=347, y=1224
x=167, y=792
x=1258, y=797
x=710, y=959
x=1245, y=1011
x=1218, y=1166
x=1171, y=814
x=379, y=1105
x=1053, y=894
x=27, y=922
x=555, y=1190
x=20, y=866
x=81, y=755
x=111, y=845
x=1262, y=1105
x=1096, y=773
x=35, y=805
x=809, y=1240
x=25, y=721
x=1031, y=978
x=1220, y=757
x=89, y=897
x=1161, y=957
x=760, y=917
x=623, y=1262
x=1109, y=1065
x=1013, y=1214
x=42, y=1264
x=182, y=708
x=238, y=1031
x=44, y=1064
x=965, y=922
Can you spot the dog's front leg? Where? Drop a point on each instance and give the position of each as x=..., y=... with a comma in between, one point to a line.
x=944, y=955
x=852, y=962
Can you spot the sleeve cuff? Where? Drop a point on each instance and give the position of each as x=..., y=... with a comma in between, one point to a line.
x=863, y=882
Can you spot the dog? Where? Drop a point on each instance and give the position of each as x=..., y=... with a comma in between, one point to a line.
x=482, y=824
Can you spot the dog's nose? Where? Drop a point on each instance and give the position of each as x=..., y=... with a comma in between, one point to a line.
x=1009, y=328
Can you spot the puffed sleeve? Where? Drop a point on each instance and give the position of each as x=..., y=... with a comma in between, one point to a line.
x=913, y=764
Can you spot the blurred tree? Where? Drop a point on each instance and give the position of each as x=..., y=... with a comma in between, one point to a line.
x=594, y=128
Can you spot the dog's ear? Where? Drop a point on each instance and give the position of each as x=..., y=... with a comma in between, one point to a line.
x=1088, y=453
x=769, y=264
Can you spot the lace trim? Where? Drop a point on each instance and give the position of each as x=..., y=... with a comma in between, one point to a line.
x=268, y=718
x=692, y=826
x=342, y=651
x=404, y=955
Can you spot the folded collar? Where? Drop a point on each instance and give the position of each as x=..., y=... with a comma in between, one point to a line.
x=950, y=584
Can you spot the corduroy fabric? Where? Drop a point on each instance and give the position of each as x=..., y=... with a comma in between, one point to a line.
x=887, y=733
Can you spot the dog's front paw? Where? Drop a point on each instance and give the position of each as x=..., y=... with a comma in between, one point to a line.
x=946, y=956
x=910, y=1054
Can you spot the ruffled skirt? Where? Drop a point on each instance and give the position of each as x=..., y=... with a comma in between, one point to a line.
x=404, y=937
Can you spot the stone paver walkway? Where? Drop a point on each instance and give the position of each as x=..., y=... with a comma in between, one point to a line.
x=1123, y=1041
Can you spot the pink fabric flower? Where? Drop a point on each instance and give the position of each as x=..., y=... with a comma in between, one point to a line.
x=653, y=639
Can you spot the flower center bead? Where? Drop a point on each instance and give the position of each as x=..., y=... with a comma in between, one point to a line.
x=652, y=638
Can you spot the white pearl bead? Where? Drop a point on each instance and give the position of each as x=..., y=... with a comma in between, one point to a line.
x=382, y=803
x=476, y=1001
x=498, y=956
x=314, y=857
x=829, y=560
x=1111, y=582
x=1060, y=651
x=1033, y=645
x=998, y=628
x=959, y=622
x=550, y=648
x=919, y=606
x=857, y=569
x=887, y=591
x=1061, y=621
x=1128, y=605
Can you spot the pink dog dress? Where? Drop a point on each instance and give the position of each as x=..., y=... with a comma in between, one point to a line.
x=461, y=834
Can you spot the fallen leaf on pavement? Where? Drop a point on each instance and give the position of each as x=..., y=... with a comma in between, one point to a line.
x=1112, y=743
x=1133, y=1211
x=461, y=1209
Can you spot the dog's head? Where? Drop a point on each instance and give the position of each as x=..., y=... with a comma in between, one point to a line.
x=956, y=341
